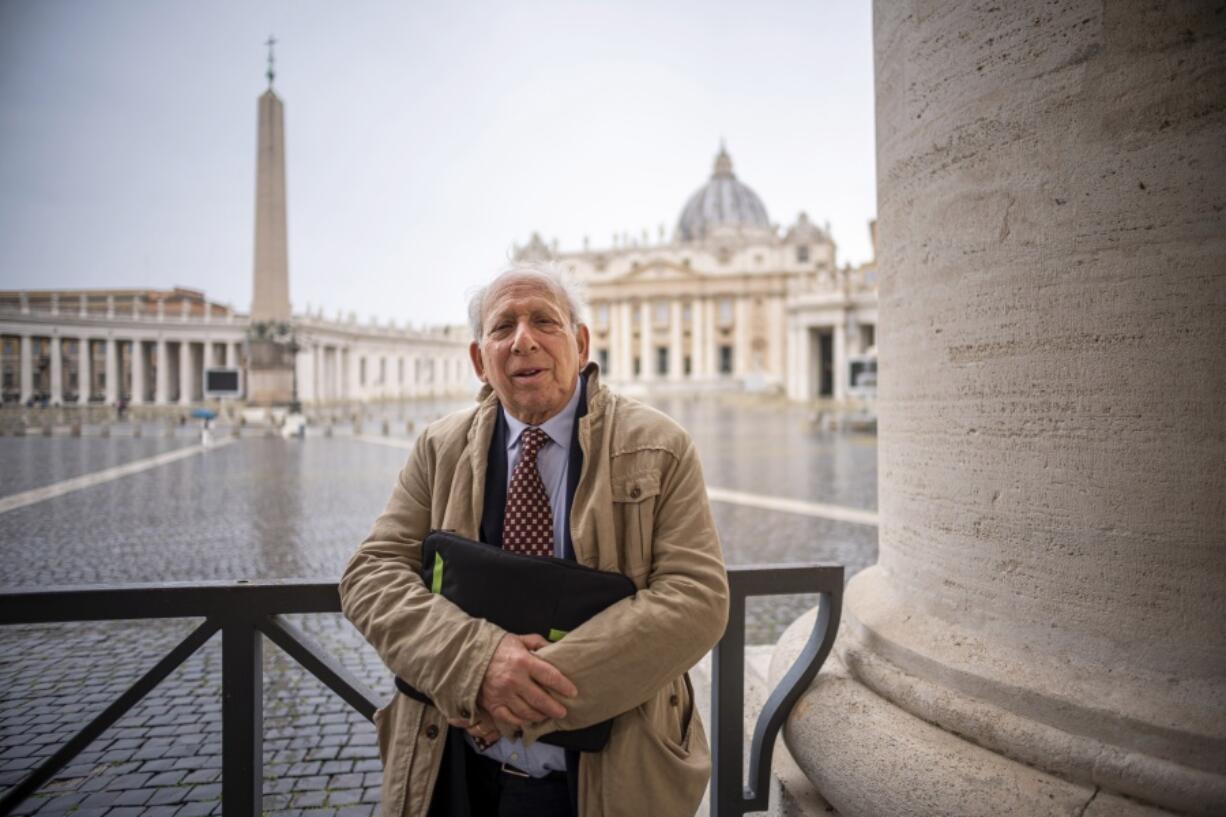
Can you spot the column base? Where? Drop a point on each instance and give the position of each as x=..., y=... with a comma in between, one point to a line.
x=869, y=756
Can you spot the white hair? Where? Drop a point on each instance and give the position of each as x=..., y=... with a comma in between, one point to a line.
x=549, y=273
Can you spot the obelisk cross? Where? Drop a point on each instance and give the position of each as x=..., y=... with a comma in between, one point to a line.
x=271, y=42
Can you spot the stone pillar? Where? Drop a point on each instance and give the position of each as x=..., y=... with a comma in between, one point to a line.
x=676, y=351
x=161, y=386
x=207, y=358
x=232, y=355
x=776, y=353
x=740, y=336
x=647, y=369
x=698, y=338
x=838, y=335
x=112, y=372
x=186, y=389
x=792, y=373
x=1042, y=634
x=57, y=372
x=85, y=374
x=26, y=368
x=138, y=372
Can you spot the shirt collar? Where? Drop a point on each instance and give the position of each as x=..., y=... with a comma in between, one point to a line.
x=558, y=427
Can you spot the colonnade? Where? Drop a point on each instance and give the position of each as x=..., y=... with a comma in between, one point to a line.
x=84, y=368
x=680, y=339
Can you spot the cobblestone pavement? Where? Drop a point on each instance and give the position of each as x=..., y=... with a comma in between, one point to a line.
x=268, y=508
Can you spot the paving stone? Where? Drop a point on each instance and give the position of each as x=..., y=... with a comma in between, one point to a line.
x=130, y=781
x=169, y=778
x=134, y=797
x=309, y=799
x=99, y=799
x=125, y=811
x=167, y=796
x=159, y=811
x=203, y=776
x=62, y=802
x=208, y=791
x=199, y=809
x=345, y=797
x=345, y=781
x=355, y=811
x=310, y=783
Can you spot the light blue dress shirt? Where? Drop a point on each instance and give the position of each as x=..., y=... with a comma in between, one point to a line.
x=553, y=463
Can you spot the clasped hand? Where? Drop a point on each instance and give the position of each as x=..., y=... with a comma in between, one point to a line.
x=516, y=689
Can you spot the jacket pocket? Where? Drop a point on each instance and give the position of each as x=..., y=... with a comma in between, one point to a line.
x=634, y=504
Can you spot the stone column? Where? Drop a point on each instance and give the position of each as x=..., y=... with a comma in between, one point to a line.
x=57, y=372
x=776, y=353
x=698, y=338
x=185, y=373
x=647, y=369
x=838, y=335
x=161, y=386
x=676, y=351
x=112, y=372
x=1042, y=634
x=85, y=374
x=740, y=336
x=792, y=373
x=207, y=358
x=26, y=368
x=138, y=372
x=232, y=355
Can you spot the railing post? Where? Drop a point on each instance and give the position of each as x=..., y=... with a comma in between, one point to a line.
x=728, y=708
x=242, y=708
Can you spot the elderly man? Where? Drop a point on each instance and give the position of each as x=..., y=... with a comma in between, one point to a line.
x=621, y=489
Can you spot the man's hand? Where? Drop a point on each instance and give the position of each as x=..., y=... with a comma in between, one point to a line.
x=517, y=684
x=482, y=728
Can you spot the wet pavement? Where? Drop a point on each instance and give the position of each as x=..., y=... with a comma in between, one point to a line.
x=263, y=507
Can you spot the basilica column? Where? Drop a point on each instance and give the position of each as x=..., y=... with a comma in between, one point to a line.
x=112, y=373
x=85, y=374
x=232, y=354
x=676, y=352
x=838, y=335
x=777, y=337
x=161, y=394
x=138, y=372
x=57, y=372
x=26, y=368
x=1042, y=634
x=647, y=369
x=185, y=372
x=740, y=336
x=625, y=341
x=698, y=338
x=207, y=358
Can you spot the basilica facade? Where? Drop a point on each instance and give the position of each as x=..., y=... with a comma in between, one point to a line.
x=730, y=301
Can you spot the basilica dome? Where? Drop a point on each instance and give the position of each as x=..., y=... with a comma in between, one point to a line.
x=722, y=205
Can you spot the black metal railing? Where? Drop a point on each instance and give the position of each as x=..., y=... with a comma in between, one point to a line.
x=247, y=612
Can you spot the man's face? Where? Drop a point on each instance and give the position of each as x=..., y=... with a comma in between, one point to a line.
x=528, y=352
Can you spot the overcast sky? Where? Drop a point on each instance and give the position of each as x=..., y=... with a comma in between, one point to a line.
x=423, y=139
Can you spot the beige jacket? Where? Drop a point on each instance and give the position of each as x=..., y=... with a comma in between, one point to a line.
x=640, y=508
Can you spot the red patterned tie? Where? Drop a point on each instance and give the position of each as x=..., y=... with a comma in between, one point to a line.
x=528, y=524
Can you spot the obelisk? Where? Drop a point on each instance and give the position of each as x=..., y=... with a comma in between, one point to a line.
x=270, y=379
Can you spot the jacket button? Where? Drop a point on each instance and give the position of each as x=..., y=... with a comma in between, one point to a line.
x=431, y=731
x=672, y=699
x=465, y=714
x=636, y=492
